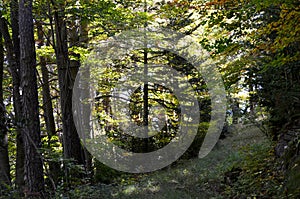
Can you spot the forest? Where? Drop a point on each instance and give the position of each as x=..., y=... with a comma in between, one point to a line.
x=150, y=99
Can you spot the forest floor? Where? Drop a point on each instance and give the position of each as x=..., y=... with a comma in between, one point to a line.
x=240, y=166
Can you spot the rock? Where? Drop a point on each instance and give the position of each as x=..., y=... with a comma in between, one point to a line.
x=284, y=140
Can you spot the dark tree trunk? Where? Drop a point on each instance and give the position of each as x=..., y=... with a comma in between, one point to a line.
x=146, y=100
x=66, y=75
x=20, y=160
x=12, y=52
x=83, y=41
x=31, y=126
x=47, y=101
x=4, y=160
x=54, y=166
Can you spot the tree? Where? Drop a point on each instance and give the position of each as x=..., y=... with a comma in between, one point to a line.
x=31, y=126
x=78, y=40
x=66, y=76
x=12, y=46
x=4, y=160
x=54, y=165
x=15, y=68
x=278, y=79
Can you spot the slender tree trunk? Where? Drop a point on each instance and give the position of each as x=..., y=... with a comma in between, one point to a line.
x=54, y=166
x=20, y=160
x=146, y=89
x=12, y=52
x=83, y=40
x=145, y=101
x=31, y=127
x=4, y=160
x=47, y=102
x=66, y=75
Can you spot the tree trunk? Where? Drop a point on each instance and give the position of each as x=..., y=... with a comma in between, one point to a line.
x=12, y=52
x=54, y=166
x=66, y=76
x=31, y=126
x=20, y=160
x=4, y=160
x=146, y=101
x=83, y=40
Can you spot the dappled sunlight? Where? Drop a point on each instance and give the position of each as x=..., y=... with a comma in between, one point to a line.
x=149, y=99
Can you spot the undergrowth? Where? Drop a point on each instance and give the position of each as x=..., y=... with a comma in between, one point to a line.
x=247, y=171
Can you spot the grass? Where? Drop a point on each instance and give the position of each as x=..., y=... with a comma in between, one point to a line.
x=241, y=166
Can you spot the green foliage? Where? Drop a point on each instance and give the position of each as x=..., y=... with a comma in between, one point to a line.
x=193, y=150
x=163, y=104
x=258, y=175
x=256, y=45
x=45, y=51
x=293, y=179
x=105, y=174
x=236, y=169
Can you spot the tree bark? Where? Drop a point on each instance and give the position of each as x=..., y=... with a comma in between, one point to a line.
x=4, y=160
x=83, y=40
x=54, y=166
x=66, y=75
x=12, y=52
x=31, y=126
x=20, y=160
